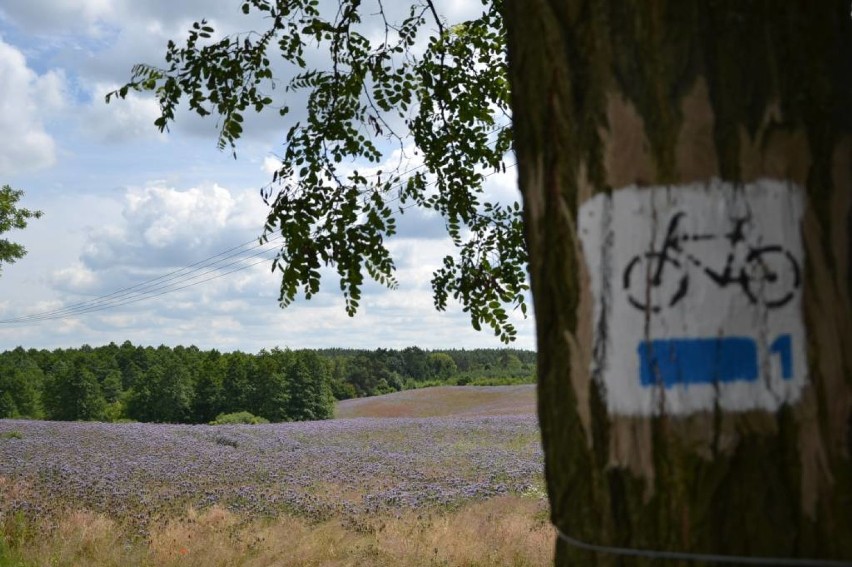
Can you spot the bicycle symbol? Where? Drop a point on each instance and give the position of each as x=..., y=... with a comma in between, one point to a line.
x=767, y=274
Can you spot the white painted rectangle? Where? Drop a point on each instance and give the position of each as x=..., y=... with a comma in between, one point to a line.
x=697, y=296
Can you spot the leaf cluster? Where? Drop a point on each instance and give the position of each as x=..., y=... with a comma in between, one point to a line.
x=12, y=217
x=446, y=91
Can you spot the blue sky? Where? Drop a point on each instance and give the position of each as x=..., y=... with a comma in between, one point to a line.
x=124, y=203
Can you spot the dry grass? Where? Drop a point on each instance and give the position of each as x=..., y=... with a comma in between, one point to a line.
x=508, y=531
x=444, y=401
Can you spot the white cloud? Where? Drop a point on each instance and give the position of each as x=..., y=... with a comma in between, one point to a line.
x=503, y=187
x=168, y=227
x=91, y=17
x=76, y=278
x=271, y=164
x=25, y=100
x=46, y=16
x=128, y=120
x=458, y=10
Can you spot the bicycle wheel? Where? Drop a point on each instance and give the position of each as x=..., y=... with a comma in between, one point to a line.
x=771, y=276
x=653, y=281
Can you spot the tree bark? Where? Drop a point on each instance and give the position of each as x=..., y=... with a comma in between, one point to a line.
x=726, y=101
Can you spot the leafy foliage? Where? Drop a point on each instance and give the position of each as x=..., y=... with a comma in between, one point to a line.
x=72, y=392
x=241, y=417
x=12, y=217
x=368, y=95
x=21, y=381
x=309, y=393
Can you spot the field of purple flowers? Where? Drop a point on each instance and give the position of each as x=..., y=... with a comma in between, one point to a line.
x=350, y=467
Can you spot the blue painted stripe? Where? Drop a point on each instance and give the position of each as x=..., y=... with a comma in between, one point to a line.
x=697, y=361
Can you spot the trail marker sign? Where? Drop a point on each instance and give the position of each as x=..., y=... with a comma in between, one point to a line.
x=697, y=296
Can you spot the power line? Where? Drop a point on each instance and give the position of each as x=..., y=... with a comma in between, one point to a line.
x=136, y=300
x=156, y=287
x=148, y=285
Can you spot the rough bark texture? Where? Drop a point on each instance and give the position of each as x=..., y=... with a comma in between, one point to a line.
x=608, y=93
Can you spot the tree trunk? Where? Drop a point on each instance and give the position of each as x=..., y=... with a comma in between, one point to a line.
x=686, y=171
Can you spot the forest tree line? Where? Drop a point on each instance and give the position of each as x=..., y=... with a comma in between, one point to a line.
x=189, y=385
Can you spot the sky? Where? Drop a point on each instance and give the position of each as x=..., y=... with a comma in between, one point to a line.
x=124, y=204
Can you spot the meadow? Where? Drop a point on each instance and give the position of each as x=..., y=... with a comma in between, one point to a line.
x=444, y=401
x=458, y=489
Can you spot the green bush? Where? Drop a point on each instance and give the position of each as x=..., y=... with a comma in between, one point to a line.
x=116, y=412
x=237, y=418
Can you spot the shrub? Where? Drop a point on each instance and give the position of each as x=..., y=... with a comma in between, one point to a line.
x=116, y=412
x=237, y=418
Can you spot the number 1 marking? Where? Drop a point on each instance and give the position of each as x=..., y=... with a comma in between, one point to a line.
x=783, y=347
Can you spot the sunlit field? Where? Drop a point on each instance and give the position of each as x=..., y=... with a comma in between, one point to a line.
x=368, y=491
x=442, y=401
